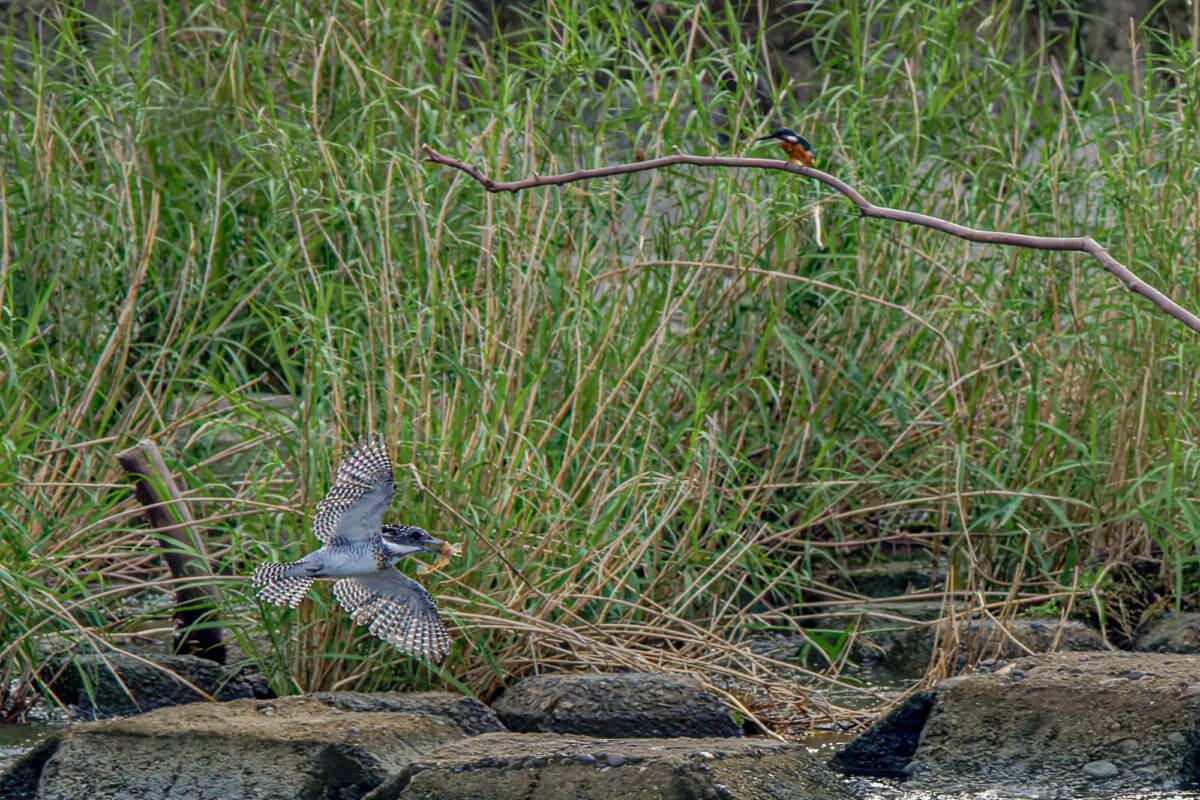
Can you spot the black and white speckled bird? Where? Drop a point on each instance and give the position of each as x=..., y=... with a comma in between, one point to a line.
x=360, y=552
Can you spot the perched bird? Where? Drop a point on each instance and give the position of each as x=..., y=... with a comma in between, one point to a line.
x=798, y=150
x=359, y=552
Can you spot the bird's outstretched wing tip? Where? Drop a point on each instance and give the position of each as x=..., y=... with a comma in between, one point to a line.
x=364, y=471
x=398, y=610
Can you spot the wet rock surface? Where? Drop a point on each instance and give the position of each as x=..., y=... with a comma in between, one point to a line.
x=502, y=766
x=1066, y=724
x=122, y=684
x=20, y=781
x=888, y=747
x=472, y=716
x=615, y=705
x=263, y=749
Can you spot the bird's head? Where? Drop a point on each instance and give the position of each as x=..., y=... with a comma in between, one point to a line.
x=788, y=136
x=404, y=540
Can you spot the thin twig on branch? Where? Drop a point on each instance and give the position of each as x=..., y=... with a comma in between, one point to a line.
x=1083, y=244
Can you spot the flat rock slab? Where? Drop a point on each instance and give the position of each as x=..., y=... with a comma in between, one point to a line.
x=1068, y=723
x=472, y=716
x=622, y=705
x=502, y=766
x=281, y=749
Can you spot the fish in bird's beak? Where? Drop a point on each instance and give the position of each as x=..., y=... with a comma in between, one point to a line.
x=445, y=551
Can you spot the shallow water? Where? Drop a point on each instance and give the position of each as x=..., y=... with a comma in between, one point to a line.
x=18, y=739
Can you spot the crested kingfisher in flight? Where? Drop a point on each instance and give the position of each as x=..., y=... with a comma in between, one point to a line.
x=359, y=552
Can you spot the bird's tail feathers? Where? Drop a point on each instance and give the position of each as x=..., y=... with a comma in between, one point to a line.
x=276, y=584
x=270, y=572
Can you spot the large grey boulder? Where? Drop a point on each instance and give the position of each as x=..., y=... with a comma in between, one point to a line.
x=1065, y=724
x=629, y=705
x=472, y=716
x=118, y=684
x=501, y=766
x=280, y=749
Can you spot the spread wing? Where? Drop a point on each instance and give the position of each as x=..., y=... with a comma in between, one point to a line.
x=398, y=610
x=361, y=492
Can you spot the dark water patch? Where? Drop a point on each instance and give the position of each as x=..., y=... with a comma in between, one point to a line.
x=18, y=739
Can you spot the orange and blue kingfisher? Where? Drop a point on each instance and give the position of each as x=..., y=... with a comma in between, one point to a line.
x=798, y=150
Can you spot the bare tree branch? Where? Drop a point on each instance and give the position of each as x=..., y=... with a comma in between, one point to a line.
x=1082, y=244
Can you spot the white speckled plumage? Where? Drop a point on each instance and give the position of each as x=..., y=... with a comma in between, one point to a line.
x=363, y=489
x=359, y=551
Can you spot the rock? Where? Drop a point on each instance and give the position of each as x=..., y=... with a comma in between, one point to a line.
x=1171, y=633
x=282, y=749
x=886, y=749
x=502, y=766
x=146, y=682
x=20, y=781
x=616, y=705
x=1059, y=723
x=892, y=579
x=907, y=652
x=1101, y=769
x=472, y=716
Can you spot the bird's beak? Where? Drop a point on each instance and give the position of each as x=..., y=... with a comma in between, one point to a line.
x=764, y=138
x=432, y=545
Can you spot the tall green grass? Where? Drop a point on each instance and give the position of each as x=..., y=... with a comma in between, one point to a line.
x=674, y=411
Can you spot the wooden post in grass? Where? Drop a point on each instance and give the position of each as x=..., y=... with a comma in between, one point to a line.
x=196, y=628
